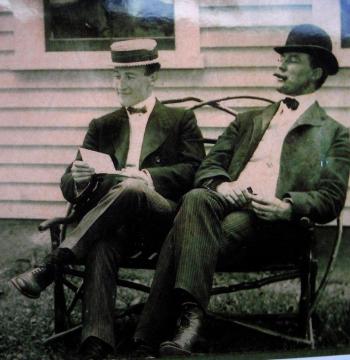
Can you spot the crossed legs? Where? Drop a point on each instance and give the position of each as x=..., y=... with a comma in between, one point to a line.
x=207, y=232
x=98, y=242
x=129, y=203
x=188, y=258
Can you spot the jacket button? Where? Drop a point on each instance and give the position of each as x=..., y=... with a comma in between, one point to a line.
x=157, y=160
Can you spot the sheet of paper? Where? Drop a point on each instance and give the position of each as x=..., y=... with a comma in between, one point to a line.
x=102, y=163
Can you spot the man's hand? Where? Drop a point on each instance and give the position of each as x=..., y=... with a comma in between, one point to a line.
x=81, y=172
x=234, y=193
x=133, y=173
x=137, y=174
x=271, y=209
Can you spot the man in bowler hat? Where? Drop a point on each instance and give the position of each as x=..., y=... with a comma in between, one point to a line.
x=269, y=168
x=155, y=150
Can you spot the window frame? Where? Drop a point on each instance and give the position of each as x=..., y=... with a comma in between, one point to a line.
x=30, y=52
x=93, y=44
x=347, y=41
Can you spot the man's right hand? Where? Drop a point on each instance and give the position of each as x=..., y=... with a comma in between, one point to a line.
x=234, y=193
x=81, y=172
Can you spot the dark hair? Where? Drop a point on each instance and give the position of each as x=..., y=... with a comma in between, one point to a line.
x=151, y=68
x=316, y=62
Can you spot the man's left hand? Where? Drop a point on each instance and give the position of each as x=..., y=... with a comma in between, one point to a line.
x=137, y=174
x=271, y=209
x=133, y=173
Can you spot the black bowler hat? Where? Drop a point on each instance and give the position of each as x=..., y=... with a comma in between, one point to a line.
x=135, y=52
x=311, y=39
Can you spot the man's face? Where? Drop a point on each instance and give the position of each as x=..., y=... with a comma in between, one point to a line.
x=295, y=74
x=132, y=85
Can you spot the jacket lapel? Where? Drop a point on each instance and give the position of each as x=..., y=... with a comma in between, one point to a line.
x=313, y=116
x=301, y=150
x=255, y=131
x=260, y=124
x=120, y=132
x=157, y=130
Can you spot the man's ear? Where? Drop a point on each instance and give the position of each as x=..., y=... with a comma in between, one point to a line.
x=153, y=77
x=317, y=73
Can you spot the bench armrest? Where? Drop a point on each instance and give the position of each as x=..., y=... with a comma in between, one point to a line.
x=47, y=224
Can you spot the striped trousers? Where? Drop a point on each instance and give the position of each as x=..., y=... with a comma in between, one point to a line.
x=207, y=230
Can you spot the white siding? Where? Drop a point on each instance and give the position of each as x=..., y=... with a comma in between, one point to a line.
x=44, y=114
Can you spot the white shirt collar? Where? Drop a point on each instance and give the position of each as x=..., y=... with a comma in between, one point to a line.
x=305, y=101
x=149, y=103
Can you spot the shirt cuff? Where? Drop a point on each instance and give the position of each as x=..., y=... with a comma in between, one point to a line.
x=288, y=200
x=291, y=202
x=148, y=179
x=212, y=184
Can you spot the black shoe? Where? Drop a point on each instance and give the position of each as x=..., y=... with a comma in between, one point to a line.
x=33, y=282
x=142, y=349
x=187, y=332
x=94, y=349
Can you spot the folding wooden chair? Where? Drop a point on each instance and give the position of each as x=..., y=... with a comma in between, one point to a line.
x=303, y=268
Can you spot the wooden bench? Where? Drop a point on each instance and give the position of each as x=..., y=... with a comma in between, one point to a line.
x=303, y=268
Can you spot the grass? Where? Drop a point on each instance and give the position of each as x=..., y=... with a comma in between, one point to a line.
x=25, y=322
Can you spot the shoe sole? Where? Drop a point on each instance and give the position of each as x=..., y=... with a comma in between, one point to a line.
x=18, y=287
x=172, y=349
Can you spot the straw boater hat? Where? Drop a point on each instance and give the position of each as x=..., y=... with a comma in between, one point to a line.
x=136, y=52
x=311, y=39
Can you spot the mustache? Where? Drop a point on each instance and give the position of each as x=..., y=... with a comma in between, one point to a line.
x=280, y=76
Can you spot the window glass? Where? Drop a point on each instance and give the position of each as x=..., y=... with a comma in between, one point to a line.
x=345, y=23
x=94, y=24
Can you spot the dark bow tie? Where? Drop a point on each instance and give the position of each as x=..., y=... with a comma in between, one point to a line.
x=133, y=110
x=291, y=103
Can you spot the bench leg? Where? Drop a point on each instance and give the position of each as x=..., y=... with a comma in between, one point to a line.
x=60, y=307
x=307, y=293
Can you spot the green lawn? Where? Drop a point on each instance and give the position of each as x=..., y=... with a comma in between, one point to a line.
x=25, y=323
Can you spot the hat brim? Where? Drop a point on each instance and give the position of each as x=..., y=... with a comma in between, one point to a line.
x=134, y=64
x=329, y=61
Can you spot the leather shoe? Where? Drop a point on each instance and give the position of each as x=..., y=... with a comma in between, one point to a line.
x=187, y=333
x=143, y=349
x=33, y=282
x=94, y=349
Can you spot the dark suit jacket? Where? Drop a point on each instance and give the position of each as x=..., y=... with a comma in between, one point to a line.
x=172, y=148
x=314, y=166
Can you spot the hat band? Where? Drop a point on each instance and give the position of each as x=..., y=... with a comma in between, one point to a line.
x=134, y=56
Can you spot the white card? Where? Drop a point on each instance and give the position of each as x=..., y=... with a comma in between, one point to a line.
x=102, y=163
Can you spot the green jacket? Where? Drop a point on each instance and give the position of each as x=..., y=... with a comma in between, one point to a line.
x=314, y=165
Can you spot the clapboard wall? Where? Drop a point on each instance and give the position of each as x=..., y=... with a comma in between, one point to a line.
x=44, y=113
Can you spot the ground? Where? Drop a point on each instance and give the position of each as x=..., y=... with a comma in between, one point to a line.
x=26, y=323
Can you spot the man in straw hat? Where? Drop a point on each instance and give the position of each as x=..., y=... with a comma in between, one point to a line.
x=156, y=150
x=269, y=168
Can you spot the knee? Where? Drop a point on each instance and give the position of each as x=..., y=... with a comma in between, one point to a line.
x=227, y=231
x=236, y=226
x=196, y=197
x=134, y=186
x=129, y=191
